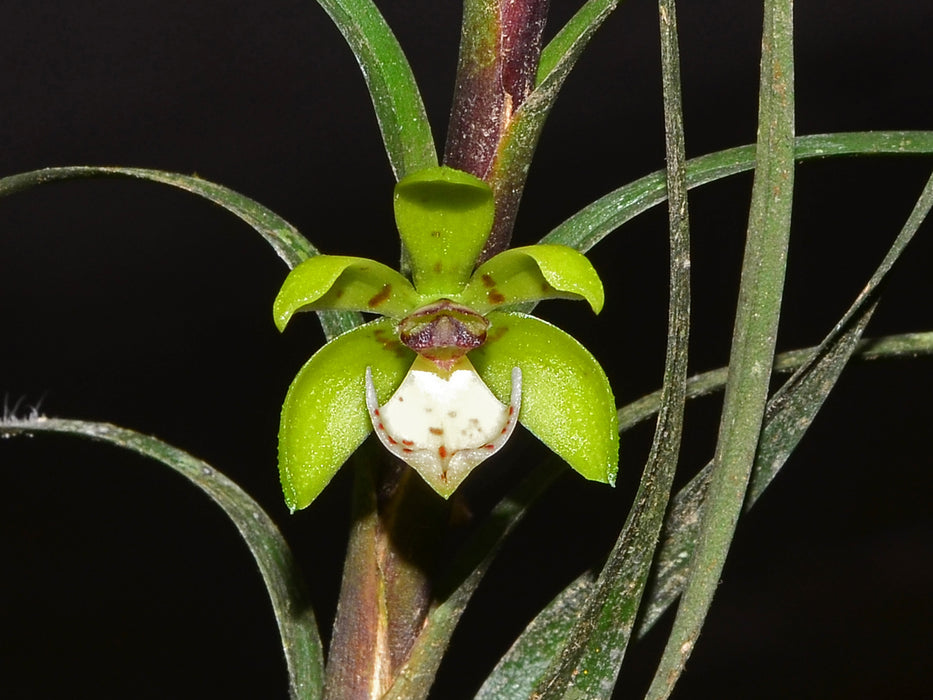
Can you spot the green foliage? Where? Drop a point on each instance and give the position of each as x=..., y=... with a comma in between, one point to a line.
x=458, y=306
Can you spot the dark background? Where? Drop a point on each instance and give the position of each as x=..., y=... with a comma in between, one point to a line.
x=141, y=305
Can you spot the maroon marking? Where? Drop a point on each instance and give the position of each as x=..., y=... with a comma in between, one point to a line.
x=408, y=450
x=438, y=266
x=488, y=281
x=391, y=439
x=408, y=442
x=436, y=431
x=380, y=297
x=495, y=297
x=442, y=451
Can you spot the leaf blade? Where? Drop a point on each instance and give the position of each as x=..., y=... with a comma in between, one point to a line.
x=287, y=590
x=284, y=238
x=594, y=222
x=399, y=108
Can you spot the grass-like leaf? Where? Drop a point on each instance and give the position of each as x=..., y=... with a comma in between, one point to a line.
x=295, y=618
x=284, y=238
x=889, y=346
x=752, y=356
x=562, y=52
x=787, y=417
x=589, y=662
x=594, y=222
x=400, y=111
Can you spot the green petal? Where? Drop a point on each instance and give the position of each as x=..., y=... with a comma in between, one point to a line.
x=444, y=217
x=566, y=399
x=324, y=417
x=345, y=283
x=532, y=273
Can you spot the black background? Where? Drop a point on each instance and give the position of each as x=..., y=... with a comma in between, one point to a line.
x=142, y=305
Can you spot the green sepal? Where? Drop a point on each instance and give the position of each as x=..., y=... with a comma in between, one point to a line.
x=444, y=217
x=532, y=273
x=344, y=283
x=567, y=402
x=324, y=417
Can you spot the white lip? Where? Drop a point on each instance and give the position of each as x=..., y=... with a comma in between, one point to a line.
x=444, y=423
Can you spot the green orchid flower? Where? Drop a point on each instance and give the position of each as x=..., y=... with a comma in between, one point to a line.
x=450, y=367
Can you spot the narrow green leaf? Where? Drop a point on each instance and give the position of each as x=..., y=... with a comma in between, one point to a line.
x=594, y=222
x=753, y=343
x=345, y=283
x=288, y=243
x=400, y=111
x=788, y=415
x=589, y=663
x=562, y=52
x=885, y=347
x=287, y=590
x=533, y=273
x=443, y=216
x=567, y=402
x=324, y=416
x=527, y=661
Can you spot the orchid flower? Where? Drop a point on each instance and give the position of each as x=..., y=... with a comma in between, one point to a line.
x=451, y=366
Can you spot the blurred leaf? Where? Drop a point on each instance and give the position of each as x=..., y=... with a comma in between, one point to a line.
x=297, y=626
x=288, y=243
x=403, y=121
x=753, y=341
x=594, y=222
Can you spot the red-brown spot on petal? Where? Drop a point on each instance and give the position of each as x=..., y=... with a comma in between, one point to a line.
x=438, y=266
x=442, y=451
x=436, y=431
x=495, y=297
x=488, y=281
x=408, y=442
x=380, y=297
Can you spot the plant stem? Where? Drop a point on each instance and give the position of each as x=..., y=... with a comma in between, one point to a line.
x=386, y=592
x=499, y=51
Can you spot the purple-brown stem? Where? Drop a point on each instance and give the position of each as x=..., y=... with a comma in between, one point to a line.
x=499, y=52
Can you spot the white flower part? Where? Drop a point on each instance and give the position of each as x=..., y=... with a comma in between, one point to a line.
x=443, y=423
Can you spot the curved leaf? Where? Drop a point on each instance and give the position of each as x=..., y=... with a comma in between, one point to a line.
x=595, y=221
x=345, y=283
x=444, y=216
x=290, y=245
x=400, y=111
x=533, y=273
x=753, y=344
x=297, y=626
x=324, y=417
x=601, y=633
x=567, y=402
